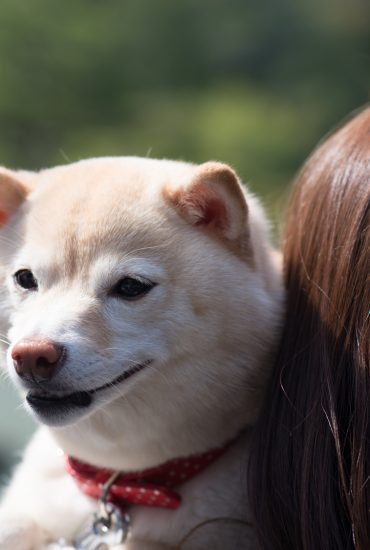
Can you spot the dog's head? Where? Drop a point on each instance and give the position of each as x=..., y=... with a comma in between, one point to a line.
x=135, y=279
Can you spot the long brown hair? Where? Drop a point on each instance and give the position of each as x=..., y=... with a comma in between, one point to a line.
x=310, y=468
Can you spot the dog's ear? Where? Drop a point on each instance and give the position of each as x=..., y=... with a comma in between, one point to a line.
x=14, y=188
x=213, y=199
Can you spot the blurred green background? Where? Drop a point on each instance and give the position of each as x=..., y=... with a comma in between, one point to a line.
x=252, y=83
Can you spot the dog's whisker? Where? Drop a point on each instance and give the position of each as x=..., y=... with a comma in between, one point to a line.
x=4, y=375
x=21, y=407
x=14, y=231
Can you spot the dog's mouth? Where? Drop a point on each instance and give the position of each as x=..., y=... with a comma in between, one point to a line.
x=49, y=404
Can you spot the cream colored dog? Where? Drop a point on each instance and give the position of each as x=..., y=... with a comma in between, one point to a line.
x=142, y=305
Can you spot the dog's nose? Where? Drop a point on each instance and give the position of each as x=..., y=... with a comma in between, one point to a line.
x=38, y=359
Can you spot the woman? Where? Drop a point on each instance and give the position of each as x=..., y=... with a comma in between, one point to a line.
x=310, y=474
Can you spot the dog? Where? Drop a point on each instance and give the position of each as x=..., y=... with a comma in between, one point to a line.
x=142, y=302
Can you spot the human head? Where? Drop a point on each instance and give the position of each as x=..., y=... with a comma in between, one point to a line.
x=311, y=464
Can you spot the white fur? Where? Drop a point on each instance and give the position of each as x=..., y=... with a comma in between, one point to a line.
x=208, y=327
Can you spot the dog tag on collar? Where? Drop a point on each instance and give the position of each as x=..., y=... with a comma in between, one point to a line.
x=108, y=529
x=60, y=545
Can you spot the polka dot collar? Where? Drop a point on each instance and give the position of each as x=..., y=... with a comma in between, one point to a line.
x=152, y=487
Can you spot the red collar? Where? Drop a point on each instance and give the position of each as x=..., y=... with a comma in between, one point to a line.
x=152, y=487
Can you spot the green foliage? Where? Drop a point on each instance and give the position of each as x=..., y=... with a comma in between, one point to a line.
x=255, y=84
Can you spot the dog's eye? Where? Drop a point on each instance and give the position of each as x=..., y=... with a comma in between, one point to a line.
x=129, y=288
x=26, y=279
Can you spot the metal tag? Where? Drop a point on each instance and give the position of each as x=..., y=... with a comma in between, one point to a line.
x=109, y=526
x=108, y=529
x=61, y=544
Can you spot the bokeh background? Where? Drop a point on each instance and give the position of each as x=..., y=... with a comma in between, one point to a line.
x=255, y=83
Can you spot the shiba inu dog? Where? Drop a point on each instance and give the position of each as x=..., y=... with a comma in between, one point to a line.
x=142, y=304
